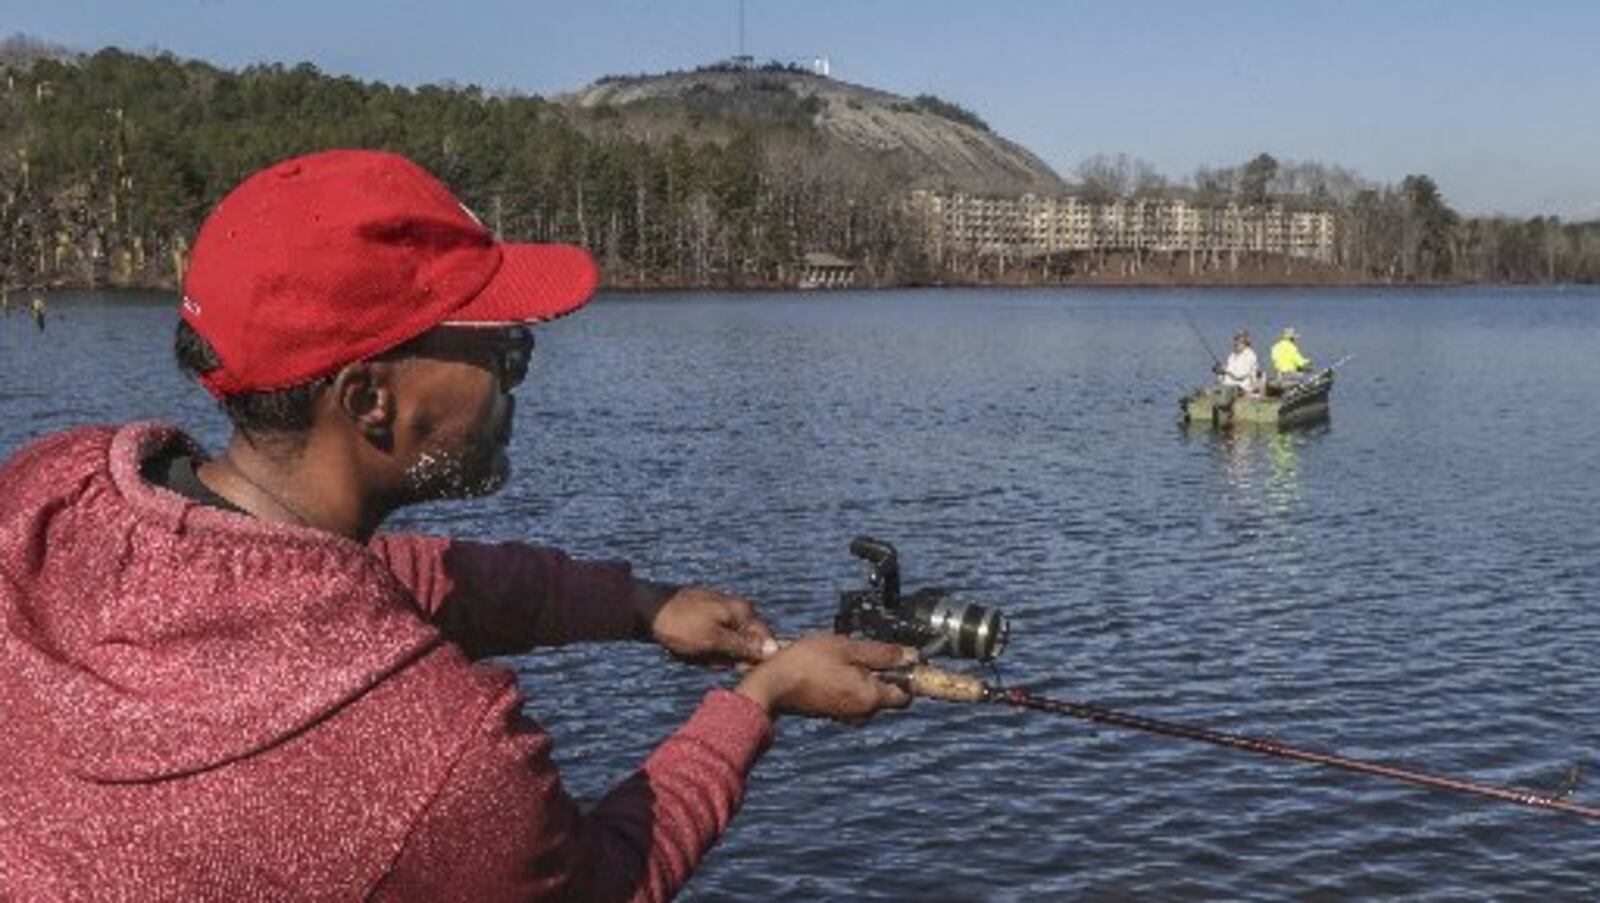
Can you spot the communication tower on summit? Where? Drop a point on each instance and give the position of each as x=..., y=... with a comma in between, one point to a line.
x=818, y=64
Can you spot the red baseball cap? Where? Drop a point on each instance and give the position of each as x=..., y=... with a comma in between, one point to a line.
x=323, y=260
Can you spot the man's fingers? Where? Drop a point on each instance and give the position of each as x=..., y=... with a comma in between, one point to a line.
x=748, y=638
x=746, y=644
x=893, y=694
x=740, y=639
x=760, y=638
x=739, y=610
x=879, y=656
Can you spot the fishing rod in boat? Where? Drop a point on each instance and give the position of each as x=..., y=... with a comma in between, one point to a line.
x=1317, y=381
x=936, y=624
x=1215, y=361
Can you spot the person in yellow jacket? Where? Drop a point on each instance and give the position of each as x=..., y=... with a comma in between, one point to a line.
x=1286, y=356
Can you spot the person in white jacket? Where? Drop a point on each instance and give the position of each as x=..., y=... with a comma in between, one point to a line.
x=1241, y=370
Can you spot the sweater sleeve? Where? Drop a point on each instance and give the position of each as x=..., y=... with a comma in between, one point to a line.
x=503, y=828
x=504, y=598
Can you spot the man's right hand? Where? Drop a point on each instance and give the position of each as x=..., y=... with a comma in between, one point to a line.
x=829, y=676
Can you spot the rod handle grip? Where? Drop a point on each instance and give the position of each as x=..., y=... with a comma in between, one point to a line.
x=929, y=682
x=936, y=683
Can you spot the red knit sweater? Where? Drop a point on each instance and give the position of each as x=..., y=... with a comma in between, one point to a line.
x=195, y=704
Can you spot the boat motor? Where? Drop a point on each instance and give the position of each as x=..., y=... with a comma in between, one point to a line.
x=928, y=619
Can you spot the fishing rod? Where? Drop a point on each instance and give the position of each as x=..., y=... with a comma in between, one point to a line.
x=1216, y=361
x=1316, y=380
x=937, y=625
x=934, y=683
x=1338, y=363
x=1333, y=366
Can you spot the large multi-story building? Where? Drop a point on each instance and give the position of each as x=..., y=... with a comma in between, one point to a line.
x=1031, y=225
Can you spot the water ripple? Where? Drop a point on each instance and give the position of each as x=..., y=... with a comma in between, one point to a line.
x=1413, y=582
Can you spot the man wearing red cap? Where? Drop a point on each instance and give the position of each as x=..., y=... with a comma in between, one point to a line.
x=219, y=680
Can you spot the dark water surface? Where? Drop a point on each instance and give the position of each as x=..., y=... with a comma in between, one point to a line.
x=1418, y=582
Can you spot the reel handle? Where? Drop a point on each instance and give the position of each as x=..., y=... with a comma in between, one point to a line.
x=874, y=551
x=885, y=579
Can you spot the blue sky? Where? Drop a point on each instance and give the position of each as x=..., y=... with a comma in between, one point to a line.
x=1496, y=100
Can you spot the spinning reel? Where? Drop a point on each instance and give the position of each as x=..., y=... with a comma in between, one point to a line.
x=929, y=620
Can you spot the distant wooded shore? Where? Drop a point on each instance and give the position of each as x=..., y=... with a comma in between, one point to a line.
x=109, y=161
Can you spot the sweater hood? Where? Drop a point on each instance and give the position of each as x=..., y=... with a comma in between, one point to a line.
x=144, y=636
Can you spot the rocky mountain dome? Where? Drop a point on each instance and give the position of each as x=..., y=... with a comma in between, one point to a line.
x=892, y=141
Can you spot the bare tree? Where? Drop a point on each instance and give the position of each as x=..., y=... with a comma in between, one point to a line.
x=1102, y=179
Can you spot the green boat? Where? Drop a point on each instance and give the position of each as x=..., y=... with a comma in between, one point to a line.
x=1281, y=405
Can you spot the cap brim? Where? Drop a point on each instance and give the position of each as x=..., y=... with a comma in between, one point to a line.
x=534, y=283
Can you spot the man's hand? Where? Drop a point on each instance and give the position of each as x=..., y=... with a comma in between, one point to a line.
x=705, y=626
x=830, y=676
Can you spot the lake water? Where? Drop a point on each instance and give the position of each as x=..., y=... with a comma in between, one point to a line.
x=1416, y=582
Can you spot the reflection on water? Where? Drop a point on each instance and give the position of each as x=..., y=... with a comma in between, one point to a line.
x=1260, y=465
x=1269, y=458
x=1404, y=586
x=1283, y=487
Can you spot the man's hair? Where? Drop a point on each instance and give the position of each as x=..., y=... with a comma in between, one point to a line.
x=277, y=412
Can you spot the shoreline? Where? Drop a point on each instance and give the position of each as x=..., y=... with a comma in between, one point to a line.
x=1115, y=271
x=671, y=288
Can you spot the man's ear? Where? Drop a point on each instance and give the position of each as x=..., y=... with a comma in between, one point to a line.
x=364, y=395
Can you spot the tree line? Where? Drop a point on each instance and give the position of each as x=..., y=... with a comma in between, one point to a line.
x=1390, y=233
x=108, y=162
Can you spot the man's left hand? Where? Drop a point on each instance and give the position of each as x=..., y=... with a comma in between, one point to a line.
x=704, y=626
